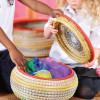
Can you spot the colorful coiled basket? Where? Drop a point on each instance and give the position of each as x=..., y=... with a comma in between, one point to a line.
x=27, y=87
x=29, y=39
x=73, y=40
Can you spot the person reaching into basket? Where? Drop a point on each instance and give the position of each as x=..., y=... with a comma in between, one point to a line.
x=9, y=54
x=86, y=13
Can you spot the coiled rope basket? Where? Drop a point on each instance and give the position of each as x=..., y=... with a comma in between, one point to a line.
x=73, y=40
x=27, y=87
x=29, y=39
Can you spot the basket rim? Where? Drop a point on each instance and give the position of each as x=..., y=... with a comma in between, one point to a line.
x=85, y=36
x=51, y=79
x=31, y=30
x=28, y=20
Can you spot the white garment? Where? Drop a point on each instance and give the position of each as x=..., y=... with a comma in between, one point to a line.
x=6, y=19
x=56, y=51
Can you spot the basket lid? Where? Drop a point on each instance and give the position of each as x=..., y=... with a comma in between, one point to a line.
x=73, y=40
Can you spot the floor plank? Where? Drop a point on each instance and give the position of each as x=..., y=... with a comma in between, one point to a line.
x=5, y=96
x=11, y=96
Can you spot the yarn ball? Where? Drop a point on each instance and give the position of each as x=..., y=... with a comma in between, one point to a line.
x=43, y=73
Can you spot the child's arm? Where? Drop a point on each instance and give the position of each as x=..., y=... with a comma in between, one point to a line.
x=15, y=54
x=95, y=40
x=97, y=53
x=49, y=30
x=40, y=7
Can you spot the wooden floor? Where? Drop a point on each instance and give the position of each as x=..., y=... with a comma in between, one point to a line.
x=5, y=96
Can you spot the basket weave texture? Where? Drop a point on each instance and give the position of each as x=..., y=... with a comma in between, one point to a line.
x=73, y=40
x=27, y=87
x=29, y=39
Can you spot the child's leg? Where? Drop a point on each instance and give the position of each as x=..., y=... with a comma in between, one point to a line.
x=96, y=84
x=1, y=83
x=6, y=65
x=88, y=87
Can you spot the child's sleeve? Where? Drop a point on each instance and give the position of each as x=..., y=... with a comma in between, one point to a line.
x=95, y=36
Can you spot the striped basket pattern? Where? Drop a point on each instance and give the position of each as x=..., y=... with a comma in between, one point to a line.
x=29, y=39
x=72, y=39
x=27, y=87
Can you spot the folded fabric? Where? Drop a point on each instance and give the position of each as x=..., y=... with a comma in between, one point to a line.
x=30, y=67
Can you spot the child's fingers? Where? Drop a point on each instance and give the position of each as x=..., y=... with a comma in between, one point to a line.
x=51, y=22
x=54, y=31
x=25, y=58
x=59, y=11
x=56, y=12
x=21, y=64
x=22, y=67
x=87, y=65
x=52, y=27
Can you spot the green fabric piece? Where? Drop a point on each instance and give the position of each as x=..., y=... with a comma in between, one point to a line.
x=30, y=67
x=52, y=75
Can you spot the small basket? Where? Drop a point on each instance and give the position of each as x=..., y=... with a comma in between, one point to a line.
x=27, y=87
x=73, y=40
x=29, y=39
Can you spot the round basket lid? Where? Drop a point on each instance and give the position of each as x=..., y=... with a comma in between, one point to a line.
x=72, y=39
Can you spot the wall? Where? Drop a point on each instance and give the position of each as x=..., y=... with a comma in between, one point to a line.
x=22, y=11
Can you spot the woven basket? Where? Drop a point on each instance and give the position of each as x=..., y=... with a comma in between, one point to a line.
x=73, y=40
x=29, y=39
x=27, y=87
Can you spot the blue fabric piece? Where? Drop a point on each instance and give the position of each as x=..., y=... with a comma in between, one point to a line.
x=31, y=73
x=39, y=65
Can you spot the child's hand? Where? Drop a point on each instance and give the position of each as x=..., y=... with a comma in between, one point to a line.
x=56, y=12
x=97, y=53
x=89, y=64
x=50, y=30
x=18, y=58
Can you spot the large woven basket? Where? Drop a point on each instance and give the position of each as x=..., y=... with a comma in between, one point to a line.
x=73, y=40
x=27, y=87
x=29, y=39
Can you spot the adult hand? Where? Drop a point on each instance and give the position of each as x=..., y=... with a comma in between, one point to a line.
x=56, y=12
x=18, y=58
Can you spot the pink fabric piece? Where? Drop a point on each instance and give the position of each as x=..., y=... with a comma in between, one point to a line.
x=98, y=70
